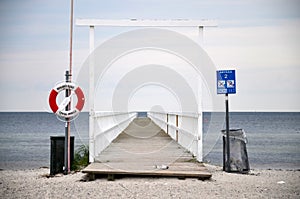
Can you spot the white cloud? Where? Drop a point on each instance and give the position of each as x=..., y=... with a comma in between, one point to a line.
x=267, y=62
x=259, y=38
x=32, y=75
x=256, y=47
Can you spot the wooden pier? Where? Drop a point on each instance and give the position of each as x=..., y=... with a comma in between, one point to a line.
x=144, y=149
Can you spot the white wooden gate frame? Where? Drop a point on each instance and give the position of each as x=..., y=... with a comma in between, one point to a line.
x=91, y=23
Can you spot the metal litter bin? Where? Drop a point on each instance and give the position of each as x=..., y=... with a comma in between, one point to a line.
x=58, y=154
x=238, y=151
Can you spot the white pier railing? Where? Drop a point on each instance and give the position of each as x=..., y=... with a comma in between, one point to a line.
x=107, y=126
x=184, y=128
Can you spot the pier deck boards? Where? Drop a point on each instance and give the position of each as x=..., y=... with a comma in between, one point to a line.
x=142, y=149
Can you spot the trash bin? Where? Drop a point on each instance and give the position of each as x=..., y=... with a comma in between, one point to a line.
x=57, y=159
x=238, y=151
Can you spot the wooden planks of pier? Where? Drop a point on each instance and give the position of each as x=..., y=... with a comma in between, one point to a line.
x=144, y=149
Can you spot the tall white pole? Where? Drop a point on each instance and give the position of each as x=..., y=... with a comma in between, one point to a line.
x=91, y=96
x=200, y=105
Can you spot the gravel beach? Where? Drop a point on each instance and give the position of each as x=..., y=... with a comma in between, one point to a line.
x=257, y=184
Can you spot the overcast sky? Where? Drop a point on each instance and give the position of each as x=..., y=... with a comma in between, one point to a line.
x=260, y=39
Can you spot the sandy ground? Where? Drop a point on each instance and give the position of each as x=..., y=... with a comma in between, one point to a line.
x=256, y=184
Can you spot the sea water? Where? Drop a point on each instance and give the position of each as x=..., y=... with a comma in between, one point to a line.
x=273, y=138
x=25, y=138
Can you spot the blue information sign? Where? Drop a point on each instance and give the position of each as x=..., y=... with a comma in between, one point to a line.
x=226, y=82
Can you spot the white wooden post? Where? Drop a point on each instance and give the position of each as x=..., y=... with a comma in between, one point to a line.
x=91, y=96
x=200, y=105
x=200, y=35
x=200, y=124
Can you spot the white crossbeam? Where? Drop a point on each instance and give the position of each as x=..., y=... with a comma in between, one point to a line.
x=147, y=23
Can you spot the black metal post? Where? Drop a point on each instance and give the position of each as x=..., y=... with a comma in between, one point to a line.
x=66, y=155
x=224, y=155
x=227, y=134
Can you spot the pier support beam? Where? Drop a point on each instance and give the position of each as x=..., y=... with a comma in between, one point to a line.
x=91, y=96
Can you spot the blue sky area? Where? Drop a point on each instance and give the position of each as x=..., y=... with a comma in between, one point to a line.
x=260, y=39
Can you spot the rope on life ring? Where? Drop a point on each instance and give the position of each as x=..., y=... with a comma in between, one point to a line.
x=60, y=109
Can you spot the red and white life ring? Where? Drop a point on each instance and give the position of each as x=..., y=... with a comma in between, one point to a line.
x=60, y=109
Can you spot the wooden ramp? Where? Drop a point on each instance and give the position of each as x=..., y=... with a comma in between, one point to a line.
x=144, y=149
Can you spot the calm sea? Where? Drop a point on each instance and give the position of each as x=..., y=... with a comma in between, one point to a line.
x=273, y=138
